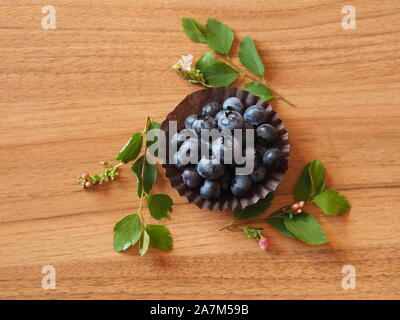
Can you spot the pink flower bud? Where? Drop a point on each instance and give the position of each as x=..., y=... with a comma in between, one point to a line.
x=301, y=204
x=295, y=206
x=298, y=210
x=263, y=243
x=88, y=184
x=85, y=175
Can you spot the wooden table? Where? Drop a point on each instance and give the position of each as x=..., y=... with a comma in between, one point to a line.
x=72, y=96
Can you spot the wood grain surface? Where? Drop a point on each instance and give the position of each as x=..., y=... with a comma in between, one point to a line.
x=72, y=96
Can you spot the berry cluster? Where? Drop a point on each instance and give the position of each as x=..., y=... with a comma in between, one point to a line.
x=83, y=180
x=298, y=207
x=211, y=174
x=109, y=173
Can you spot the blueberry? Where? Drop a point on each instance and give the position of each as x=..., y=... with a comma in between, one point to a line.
x=189, y=121
x=259, y=173
x=217, y=148
x=178, y=163
x=267, y=135
x=210, y=190
x=188, y=152
x=205, y=148
x=234, y=104
x=255, y=115
x=211, y=109
x=191, y=178
x=273, y=159
x=180, y=137
x=207, y=123
x=230, y=120
x=210, y=168
x=191, y=144
x=219, y=115
x=225, y=181
x=241, y=185
x=224, y=146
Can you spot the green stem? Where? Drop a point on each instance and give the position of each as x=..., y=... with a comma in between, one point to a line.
x=234, y=225
x=278, y=96
x=254, y=78
x=143, y=194
x=142, y=173
x=283, y=211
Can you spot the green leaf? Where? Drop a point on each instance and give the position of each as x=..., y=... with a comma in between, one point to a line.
x=259, y=90
x=305, y=228
x=159, y=205
x=277, y=223
x=137, y=170
x=194, y=30
x=250, y=58
x=317, y=173
x=311, y=181
x=205, y=61
x=254, y=210
x=160, y=237
x=219, y=36
x=127, y=232
x=332, y=202
x=153, y=125
x=220, y=74
x=131, y=149
x=149, y=175
x=144, y=244
x=252, y=233
x=302, y=190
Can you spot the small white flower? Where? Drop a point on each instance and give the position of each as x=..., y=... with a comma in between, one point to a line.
x=184, y=63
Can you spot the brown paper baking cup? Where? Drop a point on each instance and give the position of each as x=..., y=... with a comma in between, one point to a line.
x=192, y=104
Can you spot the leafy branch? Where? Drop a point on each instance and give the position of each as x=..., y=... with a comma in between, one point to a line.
x=291, y=220
x=212, y=72
x=133, y=229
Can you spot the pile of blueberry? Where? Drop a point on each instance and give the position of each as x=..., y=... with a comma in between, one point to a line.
x=215, y=177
